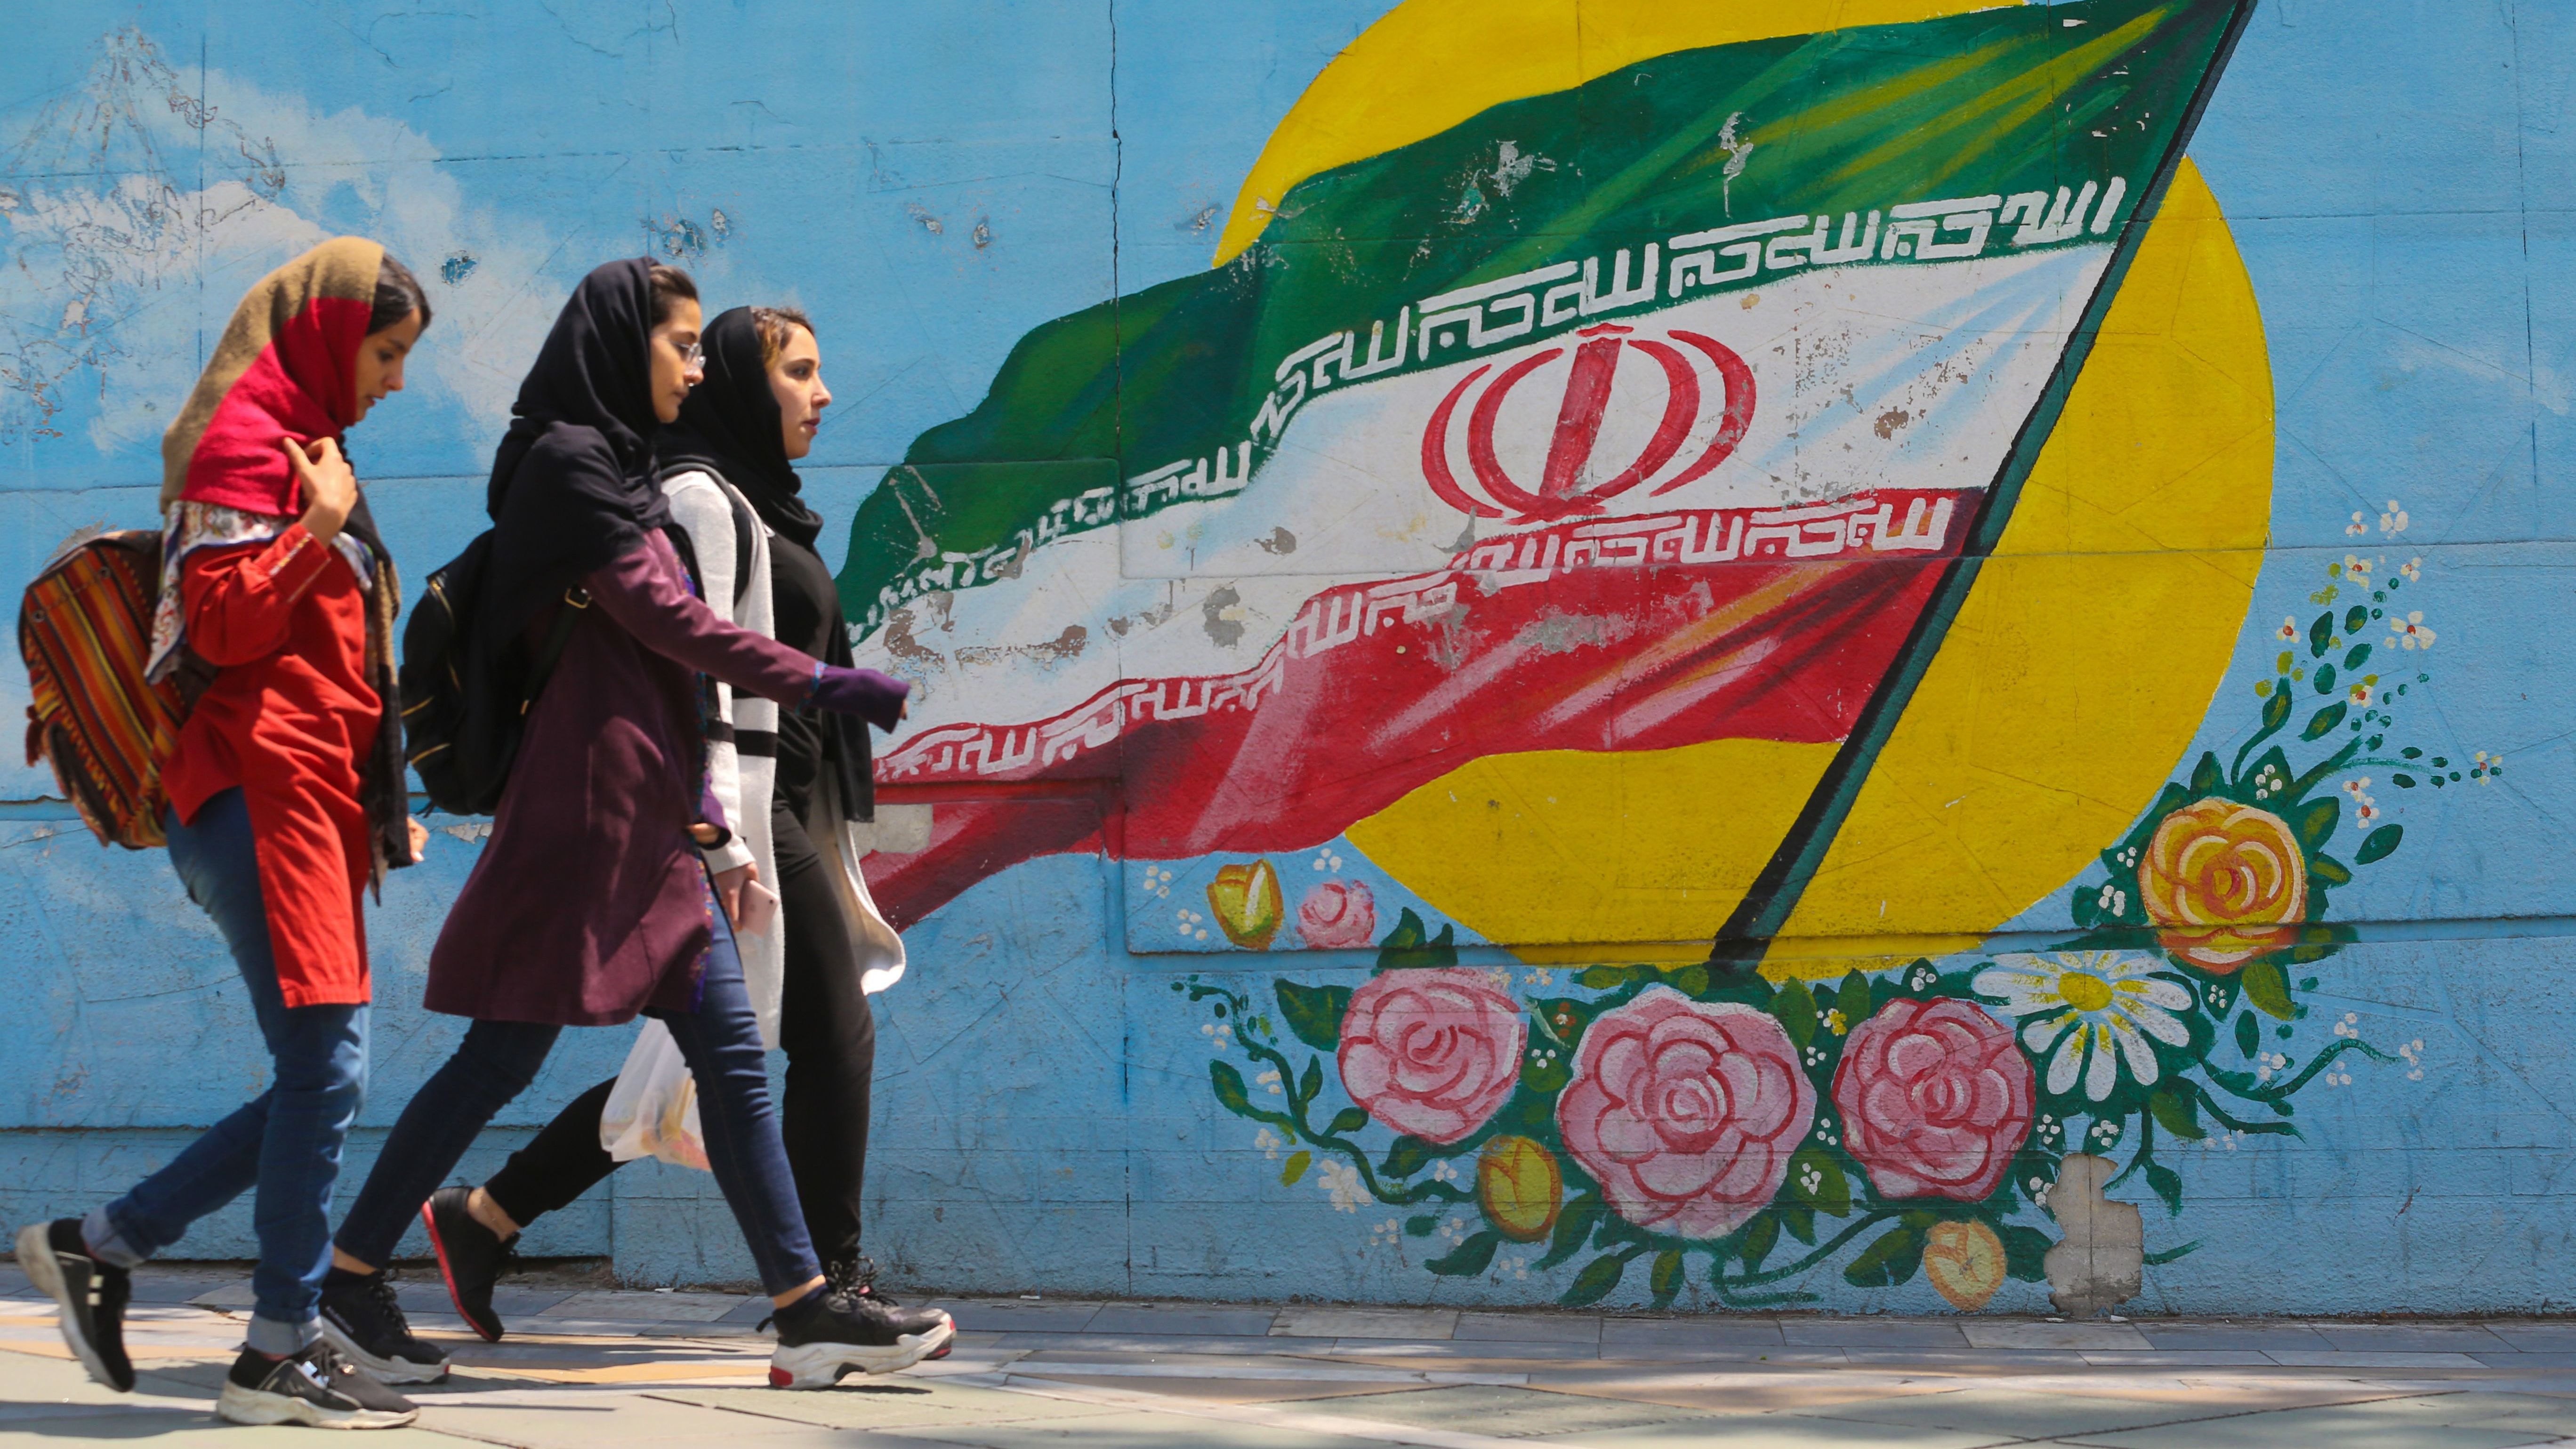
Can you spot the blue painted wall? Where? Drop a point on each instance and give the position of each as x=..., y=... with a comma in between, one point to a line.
x=932, y=182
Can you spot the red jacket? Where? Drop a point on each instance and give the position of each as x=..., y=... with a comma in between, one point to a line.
x=288, y=718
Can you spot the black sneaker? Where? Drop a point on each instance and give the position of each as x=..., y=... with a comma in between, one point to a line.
x=361, y=1319
x=832, y=1334
x=469, y=1257
x=319, y=1387
x=89, y=1296
x=858, y=1274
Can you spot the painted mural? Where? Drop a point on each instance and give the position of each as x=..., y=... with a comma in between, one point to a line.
x=1891, y=655
x=1667, y=413
x=1680, y=415
x=1693, y=1123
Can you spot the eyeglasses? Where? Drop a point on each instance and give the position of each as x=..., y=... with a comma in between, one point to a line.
x=693, y=354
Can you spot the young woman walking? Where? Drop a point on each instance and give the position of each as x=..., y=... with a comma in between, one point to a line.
x=591, y=902
x=286, y=802
x=791, y=779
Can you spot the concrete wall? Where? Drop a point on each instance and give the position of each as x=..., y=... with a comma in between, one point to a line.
x=2048, y=973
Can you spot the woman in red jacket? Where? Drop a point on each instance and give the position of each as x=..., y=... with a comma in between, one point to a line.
x=286, y=802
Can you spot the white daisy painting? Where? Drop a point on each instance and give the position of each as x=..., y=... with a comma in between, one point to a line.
x=2096, y=1009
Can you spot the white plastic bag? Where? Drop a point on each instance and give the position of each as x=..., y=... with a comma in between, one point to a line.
x=653, y=1109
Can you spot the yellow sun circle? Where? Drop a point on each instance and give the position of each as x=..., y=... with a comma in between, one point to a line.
x=2071, y=682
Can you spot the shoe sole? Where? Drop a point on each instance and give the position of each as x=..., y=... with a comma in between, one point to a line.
x=386, y=1370
x=447, y=1275
x=821, y=1365
x=238, y=1405
x=36, y=1260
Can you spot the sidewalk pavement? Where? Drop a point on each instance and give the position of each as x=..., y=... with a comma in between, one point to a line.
x=686, y=1369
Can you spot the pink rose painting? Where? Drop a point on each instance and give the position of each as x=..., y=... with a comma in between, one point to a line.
x=1338, y=915
x=1431, y=1052
x=1685, y=1111
x=1935, y=1097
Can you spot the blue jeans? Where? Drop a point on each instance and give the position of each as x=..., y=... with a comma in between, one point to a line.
x=287, y=1142
x=496, y=1061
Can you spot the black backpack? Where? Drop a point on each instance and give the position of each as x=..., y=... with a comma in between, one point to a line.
x=465, y=704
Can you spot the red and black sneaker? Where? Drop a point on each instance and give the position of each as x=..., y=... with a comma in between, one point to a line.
x=470, y=1256
x=857, y=1276
x=836, y=1332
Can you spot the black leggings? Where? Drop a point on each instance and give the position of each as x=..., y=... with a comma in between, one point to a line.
x=830, y=1036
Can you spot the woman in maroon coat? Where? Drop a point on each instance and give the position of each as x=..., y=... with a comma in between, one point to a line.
x=591, y=903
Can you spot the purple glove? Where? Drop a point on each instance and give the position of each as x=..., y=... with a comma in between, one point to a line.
x=876, y=698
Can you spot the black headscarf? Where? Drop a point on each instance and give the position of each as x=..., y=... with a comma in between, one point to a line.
x=572, y=482
x=731, y=426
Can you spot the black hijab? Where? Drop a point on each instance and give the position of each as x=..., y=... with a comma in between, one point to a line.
x=731, y=426
x=572, y=482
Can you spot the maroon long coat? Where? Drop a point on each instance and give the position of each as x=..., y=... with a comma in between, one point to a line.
x=590, y=902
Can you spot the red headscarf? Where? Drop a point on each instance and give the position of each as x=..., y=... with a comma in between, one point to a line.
x=286, y=367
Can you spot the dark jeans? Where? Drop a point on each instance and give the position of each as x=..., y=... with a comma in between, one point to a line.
x=287, y=1141
x=831, y=1040
x=721, y=1043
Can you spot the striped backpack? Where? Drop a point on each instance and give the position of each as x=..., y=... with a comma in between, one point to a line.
x=85, y=627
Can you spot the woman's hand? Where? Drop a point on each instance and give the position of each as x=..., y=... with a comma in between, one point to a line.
x=729, y=884
x=419, y=840
x=330, y=488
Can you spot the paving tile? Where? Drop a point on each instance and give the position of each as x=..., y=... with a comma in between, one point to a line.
x=2001, y=1413
x=204, y=1431
x=1724, y=1331
x=1870, y=1333
x=1127, y=1431
x=1404, y=1323
x=1968, y=1360
x=2543, y=1413
x=1773, y=1431
x=2411, y=1338
x=1748, y=1354
x=1500, y=1411
x=2405, y=1423
x=1228, y=1390
x=2257, y=1336
x=1148, y=1318
x=1529, y=1327
x=2082, y=1336
x=884, y=1403
x=2528, y=1362
x=1156, y=1343
x=616, y=1307
x=2537, y=1337
x=1005, y=1317
x=586, y=1327
x=1054, y=1363
x=2374, y=1360
x=579, y=1420
x=753, y=1309
x=1744, y=1393
x=2180, y=1358
x=1450, y=1351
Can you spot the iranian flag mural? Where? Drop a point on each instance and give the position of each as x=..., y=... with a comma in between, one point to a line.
x=1673, y=408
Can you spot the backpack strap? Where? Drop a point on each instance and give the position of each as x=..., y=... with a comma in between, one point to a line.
x=744, y=521
x=558, y=634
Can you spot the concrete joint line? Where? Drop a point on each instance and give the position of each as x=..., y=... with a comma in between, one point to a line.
x=1368, y=1429
x=1282, y=1374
